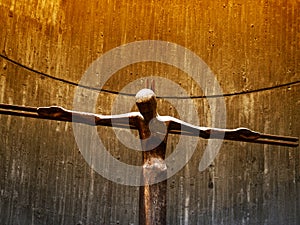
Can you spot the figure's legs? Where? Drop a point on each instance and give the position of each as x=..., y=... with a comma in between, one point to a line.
x=153, y=197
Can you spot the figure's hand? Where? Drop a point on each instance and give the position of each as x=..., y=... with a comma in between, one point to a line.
x=245, y=133
x=239, y=134
x=54, y=112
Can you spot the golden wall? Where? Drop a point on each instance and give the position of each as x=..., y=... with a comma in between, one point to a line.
x=252, y=48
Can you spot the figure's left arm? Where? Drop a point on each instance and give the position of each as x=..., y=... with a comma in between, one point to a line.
x=240, y=134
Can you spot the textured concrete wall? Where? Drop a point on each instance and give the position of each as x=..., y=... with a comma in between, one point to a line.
x=249, y=45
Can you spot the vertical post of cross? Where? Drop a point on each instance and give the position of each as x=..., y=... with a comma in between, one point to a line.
x=153, y=195
x=150, y=85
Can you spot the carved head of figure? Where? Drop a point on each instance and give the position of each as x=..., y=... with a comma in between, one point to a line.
x=146, y=103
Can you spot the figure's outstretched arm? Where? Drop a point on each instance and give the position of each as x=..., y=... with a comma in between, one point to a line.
x=240, y=134
x=59, y=113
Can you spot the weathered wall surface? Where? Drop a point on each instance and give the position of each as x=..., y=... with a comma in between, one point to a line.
x=249, y=45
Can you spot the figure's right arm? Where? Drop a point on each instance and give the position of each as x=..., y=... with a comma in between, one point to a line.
x=177, y=126
x=59, y=113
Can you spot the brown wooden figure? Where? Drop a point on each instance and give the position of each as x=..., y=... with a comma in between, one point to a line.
x=153, y=131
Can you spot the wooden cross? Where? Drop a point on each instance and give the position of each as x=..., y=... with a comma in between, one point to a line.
x=153, y=131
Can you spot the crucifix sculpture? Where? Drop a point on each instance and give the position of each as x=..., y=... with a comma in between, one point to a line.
x=153, y=131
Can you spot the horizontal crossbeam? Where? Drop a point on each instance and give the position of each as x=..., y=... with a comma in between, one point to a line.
x=32, y=112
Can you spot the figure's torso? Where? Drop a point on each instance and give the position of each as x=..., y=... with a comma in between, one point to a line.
x=153, y=137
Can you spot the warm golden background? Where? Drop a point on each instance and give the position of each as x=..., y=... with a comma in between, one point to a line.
x=248, y=44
